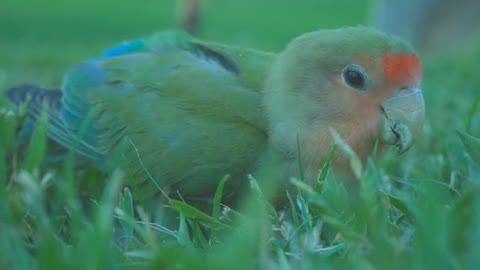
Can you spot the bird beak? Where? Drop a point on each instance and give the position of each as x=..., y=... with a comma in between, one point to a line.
x=403, y=114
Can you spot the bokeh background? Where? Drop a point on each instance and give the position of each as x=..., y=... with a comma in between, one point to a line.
x=56, y=34
x=87, y=27
x=53, y=35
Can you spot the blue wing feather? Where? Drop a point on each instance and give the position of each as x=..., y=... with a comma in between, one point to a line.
x=126, y=48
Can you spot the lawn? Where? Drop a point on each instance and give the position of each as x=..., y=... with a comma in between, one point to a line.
x=420, y=210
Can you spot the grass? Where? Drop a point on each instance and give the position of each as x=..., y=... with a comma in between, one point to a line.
x=417, y=211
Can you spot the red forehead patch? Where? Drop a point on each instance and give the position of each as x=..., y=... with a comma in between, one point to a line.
x=402, y=68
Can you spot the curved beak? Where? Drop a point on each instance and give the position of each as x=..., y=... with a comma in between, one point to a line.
x=403, y=114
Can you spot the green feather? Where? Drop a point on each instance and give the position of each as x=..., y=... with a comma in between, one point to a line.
x=186, y=106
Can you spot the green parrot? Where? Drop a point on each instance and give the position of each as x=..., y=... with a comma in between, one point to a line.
x=188, y=112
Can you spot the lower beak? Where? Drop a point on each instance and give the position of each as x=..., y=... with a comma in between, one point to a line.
x=403, y=118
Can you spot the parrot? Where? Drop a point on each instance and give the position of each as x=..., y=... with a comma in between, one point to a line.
x=183, y=112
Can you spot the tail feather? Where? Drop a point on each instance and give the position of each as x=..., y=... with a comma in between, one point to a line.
x=40, y=99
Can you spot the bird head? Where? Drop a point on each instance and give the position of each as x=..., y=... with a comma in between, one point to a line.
x=364, y=84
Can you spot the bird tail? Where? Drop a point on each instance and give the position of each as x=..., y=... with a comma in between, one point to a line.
x=21, y=93
x=39, y=100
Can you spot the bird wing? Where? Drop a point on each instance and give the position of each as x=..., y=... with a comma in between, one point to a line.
x=187, y=112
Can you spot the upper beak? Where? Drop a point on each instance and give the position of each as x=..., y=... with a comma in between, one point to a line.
x=403, y=114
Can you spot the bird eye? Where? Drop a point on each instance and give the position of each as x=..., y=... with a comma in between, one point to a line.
x=355, y=77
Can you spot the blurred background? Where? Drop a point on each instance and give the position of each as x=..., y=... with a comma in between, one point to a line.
x=39, y=39
x=64, y=32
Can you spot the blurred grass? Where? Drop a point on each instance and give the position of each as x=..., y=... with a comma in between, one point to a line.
x=41, y=36
x=417, y=211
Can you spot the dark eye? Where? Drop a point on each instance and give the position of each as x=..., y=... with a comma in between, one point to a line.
x=355, y=77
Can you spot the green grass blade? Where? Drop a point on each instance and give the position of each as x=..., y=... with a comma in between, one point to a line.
x=217, y=198
x=191, y=212
x=38, y=144
x=472, y=145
